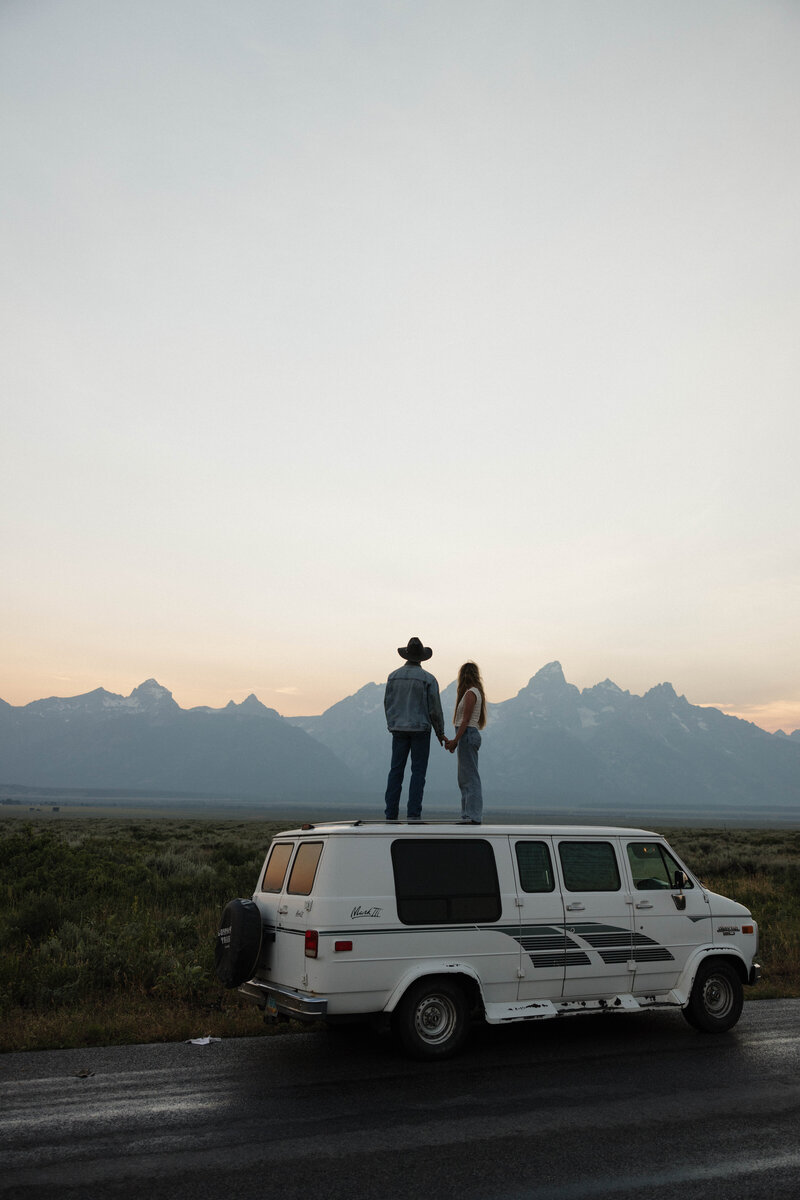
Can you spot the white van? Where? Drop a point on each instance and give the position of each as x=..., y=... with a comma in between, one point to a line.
x=434, y=925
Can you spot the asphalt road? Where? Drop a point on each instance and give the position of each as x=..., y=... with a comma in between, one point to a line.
x=586, y=1108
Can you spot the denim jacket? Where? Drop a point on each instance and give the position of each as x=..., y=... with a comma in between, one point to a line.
x=411, y=701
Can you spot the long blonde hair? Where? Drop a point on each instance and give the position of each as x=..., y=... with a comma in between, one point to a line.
x=470, y=677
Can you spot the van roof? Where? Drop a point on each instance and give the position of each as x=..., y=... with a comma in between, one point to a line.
x=359, y=828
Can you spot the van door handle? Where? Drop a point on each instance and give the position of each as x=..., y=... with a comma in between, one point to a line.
x=283, y=908
x=644, y=904
x=576, y=907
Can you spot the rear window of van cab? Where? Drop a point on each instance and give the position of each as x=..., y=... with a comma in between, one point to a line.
x=303, y=872
x=445, y=881
x=275, y=870
x=304, y=868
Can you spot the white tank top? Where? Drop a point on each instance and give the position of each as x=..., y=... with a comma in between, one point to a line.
x=476, y=712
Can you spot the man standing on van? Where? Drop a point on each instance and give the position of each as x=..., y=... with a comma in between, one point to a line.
x=412, y=706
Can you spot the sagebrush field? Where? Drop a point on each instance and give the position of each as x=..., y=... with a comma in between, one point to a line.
x=107, y=925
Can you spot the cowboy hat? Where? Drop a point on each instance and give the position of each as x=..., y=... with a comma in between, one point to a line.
x=415, y=651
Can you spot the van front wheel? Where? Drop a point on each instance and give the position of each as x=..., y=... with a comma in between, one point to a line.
x=715, y=1003
x=432, y=1019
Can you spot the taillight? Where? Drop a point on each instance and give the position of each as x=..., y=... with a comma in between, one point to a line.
x=312, y=943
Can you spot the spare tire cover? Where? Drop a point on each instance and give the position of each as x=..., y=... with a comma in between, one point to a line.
x=238, y=942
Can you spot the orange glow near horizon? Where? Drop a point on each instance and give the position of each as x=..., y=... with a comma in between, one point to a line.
x=778, y=714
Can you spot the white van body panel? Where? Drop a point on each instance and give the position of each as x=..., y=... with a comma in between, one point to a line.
x=680, y=993
x=599, y=929
x=431, y=967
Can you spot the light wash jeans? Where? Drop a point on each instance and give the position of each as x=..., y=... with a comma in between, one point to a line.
x=468, y=778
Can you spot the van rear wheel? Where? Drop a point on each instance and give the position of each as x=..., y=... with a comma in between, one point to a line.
x=716, y=1000
x=432, y=1019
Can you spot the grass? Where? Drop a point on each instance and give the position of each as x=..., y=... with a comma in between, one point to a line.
x=107, y=929
x=107, y=925
x=761, y=869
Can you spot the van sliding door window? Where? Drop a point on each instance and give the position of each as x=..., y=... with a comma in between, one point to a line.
x=301, y=879
x=444, y=882
x=589, y=866
x=277, y=863
x=535, y=867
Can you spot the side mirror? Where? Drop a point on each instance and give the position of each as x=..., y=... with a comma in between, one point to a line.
x=681, y=879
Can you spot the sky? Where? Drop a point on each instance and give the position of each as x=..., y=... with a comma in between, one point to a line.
x=329, y=324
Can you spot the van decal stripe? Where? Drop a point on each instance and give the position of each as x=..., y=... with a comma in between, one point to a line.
x=547, y=945
x=567, y=958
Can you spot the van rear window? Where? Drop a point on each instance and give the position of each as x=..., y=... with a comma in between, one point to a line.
x=301, y=880
x=275, y=871
x=445, y=881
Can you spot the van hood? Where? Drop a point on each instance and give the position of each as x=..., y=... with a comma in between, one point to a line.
x=721, y=906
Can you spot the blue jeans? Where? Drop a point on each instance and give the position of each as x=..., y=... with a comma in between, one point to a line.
x=403, y=744
x=468, y=778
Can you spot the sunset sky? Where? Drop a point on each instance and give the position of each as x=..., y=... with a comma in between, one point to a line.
x=326, y=324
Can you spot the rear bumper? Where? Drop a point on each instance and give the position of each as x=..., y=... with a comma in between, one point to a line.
x=287, y=1003
x=755, y=973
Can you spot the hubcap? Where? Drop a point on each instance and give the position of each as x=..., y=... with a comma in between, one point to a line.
x=717, y=996
x=435, y=1019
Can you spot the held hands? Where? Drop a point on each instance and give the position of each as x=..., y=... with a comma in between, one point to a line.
x=450, y=744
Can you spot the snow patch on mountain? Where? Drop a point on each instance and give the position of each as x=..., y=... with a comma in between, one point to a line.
x=587, y=717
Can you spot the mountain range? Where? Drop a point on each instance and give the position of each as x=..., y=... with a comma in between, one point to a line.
x=553, y=745
x=552, y=748
x=147, y=742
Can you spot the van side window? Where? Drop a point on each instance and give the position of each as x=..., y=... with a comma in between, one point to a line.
x=652, y=866
x=445, y=881
x=275, y=870
x=304, y=869
x=589, y=866
x=535, y=867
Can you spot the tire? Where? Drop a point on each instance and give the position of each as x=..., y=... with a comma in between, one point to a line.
x=238, y=943
x=432, y=1019
x=716, y=999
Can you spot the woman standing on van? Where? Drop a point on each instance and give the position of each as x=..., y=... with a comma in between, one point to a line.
x=469, y=718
